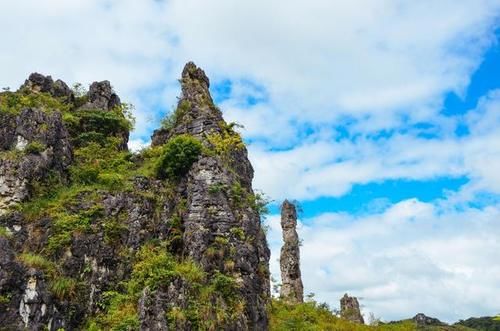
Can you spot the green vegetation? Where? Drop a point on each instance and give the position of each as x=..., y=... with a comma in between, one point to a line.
x=226, y=142
x=39, y=262
x=169, y=122
x=4, y=232
x=241, y=198
x=14, y=102
x=313, y=316
x=177, y=156
x=103, y=164
x=482, y=323
x=34, y=147
x=64, y=288
x=212, y=299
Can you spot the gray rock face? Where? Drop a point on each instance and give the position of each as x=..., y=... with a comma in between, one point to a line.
x=219, y=228
x=40, y=83
x=220, y=233
x=422, y=320
x=101, y=96
x=349, y=309
x=291, y=281
x=21, y=167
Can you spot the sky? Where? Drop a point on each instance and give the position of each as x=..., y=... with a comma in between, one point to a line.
x=381, y=118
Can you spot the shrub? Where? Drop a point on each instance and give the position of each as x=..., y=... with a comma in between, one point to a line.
x=34, y=147
x=153, y=267
x=226, y=142
x=177, y=156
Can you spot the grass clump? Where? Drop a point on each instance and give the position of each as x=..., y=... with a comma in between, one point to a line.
x=39, y=262
x=177, y=156
x=64, y=288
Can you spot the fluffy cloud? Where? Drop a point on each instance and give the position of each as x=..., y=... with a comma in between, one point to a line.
x=413, y=257
x=327, y=167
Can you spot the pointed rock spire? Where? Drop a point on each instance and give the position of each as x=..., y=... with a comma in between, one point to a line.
x=291, y=280
x=196, y=113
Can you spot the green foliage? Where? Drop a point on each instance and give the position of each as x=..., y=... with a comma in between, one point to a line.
x=225, y=142
x=4, y=299
x=34, y=147
x=238, y=232
x=482, y=323
x=217, y=188
x=312, y=316
x=153, y=268
x=241, y=198
x=175, y=117
x=121, y=313
x=4, y=232
x=14, y=102
x=64, y=288
x=101, y=164
x=39, y=262
x=177, y=156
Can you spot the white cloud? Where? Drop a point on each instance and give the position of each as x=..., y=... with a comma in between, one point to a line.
x=329, y=168
x=414, y=257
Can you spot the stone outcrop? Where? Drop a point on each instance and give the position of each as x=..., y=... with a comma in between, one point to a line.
x=422, y=320
x=39, y=83
x=90, y=235
x=217, y=220
x=349, y=309
x=101, y=96
x=36, y=148
x=291, y=281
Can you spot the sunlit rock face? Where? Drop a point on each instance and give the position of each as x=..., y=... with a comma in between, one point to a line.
x=80, y=227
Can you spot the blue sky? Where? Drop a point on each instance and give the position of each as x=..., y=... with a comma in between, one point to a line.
x=380, y=117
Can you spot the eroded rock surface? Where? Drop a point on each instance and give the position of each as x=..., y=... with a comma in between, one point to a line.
x=291, y=281
x=349, y=309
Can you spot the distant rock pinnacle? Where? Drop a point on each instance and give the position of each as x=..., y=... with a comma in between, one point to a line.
x=291, y=288
x=349, y=309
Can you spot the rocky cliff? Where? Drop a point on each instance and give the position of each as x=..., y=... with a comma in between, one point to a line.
x=95, y=237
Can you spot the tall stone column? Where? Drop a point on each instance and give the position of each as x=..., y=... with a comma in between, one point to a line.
x=292, y=289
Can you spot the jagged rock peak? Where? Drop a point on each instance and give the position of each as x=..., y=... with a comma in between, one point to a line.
x=291, y=287
x=196, y=113
x=349, y=309
x=102, y=96
x=192, y=72
x=37, y=82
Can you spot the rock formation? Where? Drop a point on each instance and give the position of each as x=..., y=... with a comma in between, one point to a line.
x=94, y=237
x=422, y=320
x=349, y=309
x=292, y=289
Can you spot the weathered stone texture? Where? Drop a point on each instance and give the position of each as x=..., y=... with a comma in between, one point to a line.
x=349, y=309
x=291, y=281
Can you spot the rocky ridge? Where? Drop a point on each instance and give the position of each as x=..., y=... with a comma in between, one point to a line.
x=95, y=237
